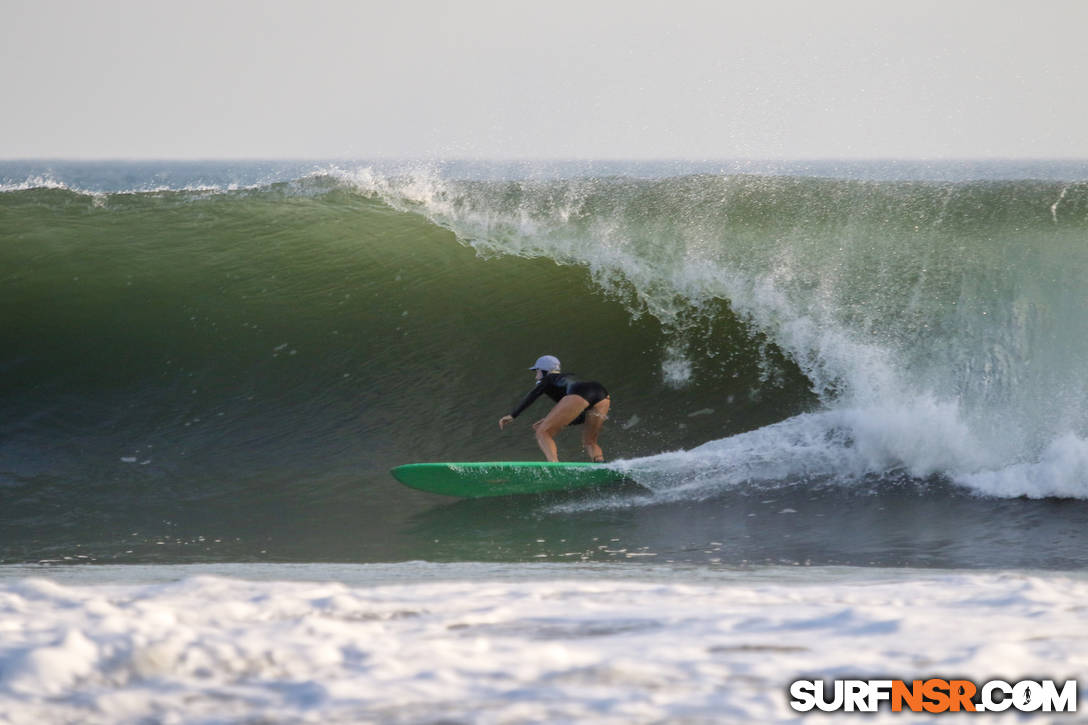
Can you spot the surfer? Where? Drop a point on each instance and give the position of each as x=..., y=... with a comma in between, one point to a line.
x=577, y=402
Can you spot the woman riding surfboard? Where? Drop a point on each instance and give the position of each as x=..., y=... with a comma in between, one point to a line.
x=576, y=402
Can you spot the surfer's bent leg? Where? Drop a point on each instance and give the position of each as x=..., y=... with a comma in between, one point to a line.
x=565, y=411
x=595, y=418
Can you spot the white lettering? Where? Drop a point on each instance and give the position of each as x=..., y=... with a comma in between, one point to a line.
x=1027, y=696
x=989, y=704
x=821, y=697
x=994, y=696
x=879, y=690
x=803, y=693
x=856, y=695
x=1064, y=701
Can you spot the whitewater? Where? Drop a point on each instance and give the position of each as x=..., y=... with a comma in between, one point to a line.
x=467, y=643
x=851, y=398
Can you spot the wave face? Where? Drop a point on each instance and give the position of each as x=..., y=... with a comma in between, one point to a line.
x=211, y=358
x=940, y=326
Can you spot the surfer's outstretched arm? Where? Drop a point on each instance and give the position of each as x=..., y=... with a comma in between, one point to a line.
x=528, y=400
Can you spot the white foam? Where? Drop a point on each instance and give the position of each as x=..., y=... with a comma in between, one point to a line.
x=38, y=181
x=844, y=446
x=575, y=650
x=834, y=447
x=1060, y=471
x=676, y=369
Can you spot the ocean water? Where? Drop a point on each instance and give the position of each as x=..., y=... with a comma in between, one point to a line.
x=851, y=398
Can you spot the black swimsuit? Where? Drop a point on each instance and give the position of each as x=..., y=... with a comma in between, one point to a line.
x=558, y=385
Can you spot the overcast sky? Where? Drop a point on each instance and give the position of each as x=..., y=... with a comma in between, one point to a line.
x=508, y=79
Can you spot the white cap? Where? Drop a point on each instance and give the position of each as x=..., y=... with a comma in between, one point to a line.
x=547, y=363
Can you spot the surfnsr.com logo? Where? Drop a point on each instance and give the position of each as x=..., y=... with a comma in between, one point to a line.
x=933, y=695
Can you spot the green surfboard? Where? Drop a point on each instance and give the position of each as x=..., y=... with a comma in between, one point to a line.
x=503, y=478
